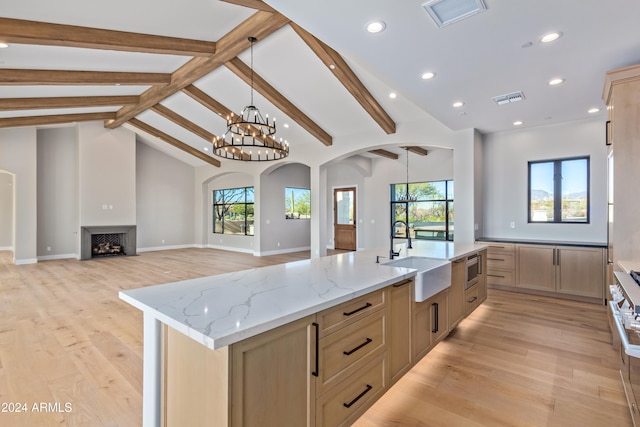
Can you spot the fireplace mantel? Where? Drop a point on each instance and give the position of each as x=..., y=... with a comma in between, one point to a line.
x=87, y=231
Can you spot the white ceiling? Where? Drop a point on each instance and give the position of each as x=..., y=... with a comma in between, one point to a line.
x=474, y=59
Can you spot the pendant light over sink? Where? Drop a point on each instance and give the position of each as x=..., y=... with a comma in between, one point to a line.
x=407, y=197
x=249, y=135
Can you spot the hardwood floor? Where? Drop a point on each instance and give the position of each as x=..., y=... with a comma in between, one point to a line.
x=66, y=339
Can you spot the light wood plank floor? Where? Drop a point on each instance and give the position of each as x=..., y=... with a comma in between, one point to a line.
x=66, y=338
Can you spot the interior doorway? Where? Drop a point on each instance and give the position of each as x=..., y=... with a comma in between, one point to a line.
x=344, y=218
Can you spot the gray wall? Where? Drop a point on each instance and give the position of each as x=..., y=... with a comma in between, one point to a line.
x=165, y=200
x=6, y=211
x=505, y=179
x=57, y=193
x=281, y=234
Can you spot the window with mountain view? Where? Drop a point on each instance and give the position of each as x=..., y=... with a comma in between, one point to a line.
x=559, y=191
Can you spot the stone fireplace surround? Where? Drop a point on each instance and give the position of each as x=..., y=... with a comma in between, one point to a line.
x=87, y=232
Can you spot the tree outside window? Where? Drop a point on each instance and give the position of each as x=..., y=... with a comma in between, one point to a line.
x=233, y=211
x=297, y=203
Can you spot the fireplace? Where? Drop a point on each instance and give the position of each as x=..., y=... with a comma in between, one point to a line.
x=107, y=241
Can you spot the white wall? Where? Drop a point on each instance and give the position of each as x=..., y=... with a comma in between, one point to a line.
x=6, y=211
x=18, y=156
x=280, y=234
x=164, y=200
x=58, y=224
x=107, y=175
x=505, y=179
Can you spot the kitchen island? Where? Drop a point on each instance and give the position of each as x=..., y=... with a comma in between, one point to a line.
x=287, y=307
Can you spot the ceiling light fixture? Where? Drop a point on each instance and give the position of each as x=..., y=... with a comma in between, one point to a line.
x=3, y=45
x=376, y=27
x=393, y=95
x=458, y=104
x=249, y=136
x=551, y=37
x=556, y=81
x=406, y=196
x=428, y=75
x=593, y=110
x=518, y=123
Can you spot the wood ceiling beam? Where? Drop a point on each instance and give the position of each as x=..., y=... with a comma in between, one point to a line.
x=417, y=150
x=243, y=71
x=348, y=78
x=76, y=78
x=65, y=102
x=53, y=119
x=385, y=153
x=252, y=4
x=43, y=33
x=259, y=25
x=173, y=141
x=187, y=124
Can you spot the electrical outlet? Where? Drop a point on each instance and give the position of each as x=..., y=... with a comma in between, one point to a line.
x=512, y=224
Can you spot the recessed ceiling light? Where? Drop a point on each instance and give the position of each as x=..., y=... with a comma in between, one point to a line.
x=332, y=66
x=393, y=95
x=376, y=26
x=206, y=148
x=3, y=45
x=428, y=75
x=551, y=37
x=518, y=122
x=458, y=104
x=286, y=125
x=556, y=81
x=593, y=110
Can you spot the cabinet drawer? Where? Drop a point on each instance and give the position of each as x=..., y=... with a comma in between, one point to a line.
x=499, y=248
x=497, y=276
x=346, y=313
x=471, y=300
x=339, y=352
x=504, y=261
x=351, y=398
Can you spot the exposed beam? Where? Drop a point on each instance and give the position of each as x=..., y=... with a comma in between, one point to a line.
x=187, y=124
x=53, y=120
x=259, y=25
x=385, y=153
x=43, y=33
x=417, y=150
x=65, y=102
x=252, y=4
x=243, y=71
x=173, y=141
x=348, y=78
x=59, y=77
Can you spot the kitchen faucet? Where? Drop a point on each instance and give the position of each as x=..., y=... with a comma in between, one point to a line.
x=392, y=253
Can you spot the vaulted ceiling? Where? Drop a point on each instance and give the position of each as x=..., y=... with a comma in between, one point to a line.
x=174, y=71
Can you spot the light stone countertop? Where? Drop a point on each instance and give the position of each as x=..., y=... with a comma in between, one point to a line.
x=221, y=310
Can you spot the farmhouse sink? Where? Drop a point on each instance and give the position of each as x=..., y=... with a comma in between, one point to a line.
x=434, y=275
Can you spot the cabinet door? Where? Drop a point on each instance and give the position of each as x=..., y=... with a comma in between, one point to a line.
x=272, y=381
x=536, y=267
x=439, y=316
x=482, y=276
x=456, y=293
x=401, y=296
x=421, y=329
x=580, y=271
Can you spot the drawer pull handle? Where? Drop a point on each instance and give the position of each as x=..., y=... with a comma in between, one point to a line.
x=495, y=259
x=472, y=300
x=495, y=275
x=404, y=282
x=316, y=326
x=358, y=397
x=367, y=305
x=349, y=353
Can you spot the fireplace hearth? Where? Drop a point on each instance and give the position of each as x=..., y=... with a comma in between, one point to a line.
x=107, y=241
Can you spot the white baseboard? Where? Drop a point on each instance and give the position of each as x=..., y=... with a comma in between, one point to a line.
x=60, y=256
x=282, y=251
x=166, y=248
x=25, y=261
x=6, y=248
x=231, y=249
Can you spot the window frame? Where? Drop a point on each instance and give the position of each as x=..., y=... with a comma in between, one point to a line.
x=557, y=190
x=448, y=204
x=245, y=203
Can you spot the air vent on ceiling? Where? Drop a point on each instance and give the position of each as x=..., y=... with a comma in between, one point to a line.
x=445, y=12
x=509, y=98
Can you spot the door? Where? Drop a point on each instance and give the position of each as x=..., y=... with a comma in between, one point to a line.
x=344, y=214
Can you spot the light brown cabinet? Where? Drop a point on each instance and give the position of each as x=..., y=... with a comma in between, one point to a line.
x=400, y=315
x=501, y=264
x=576, y=271
x=430, y=323
x=456, y=293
